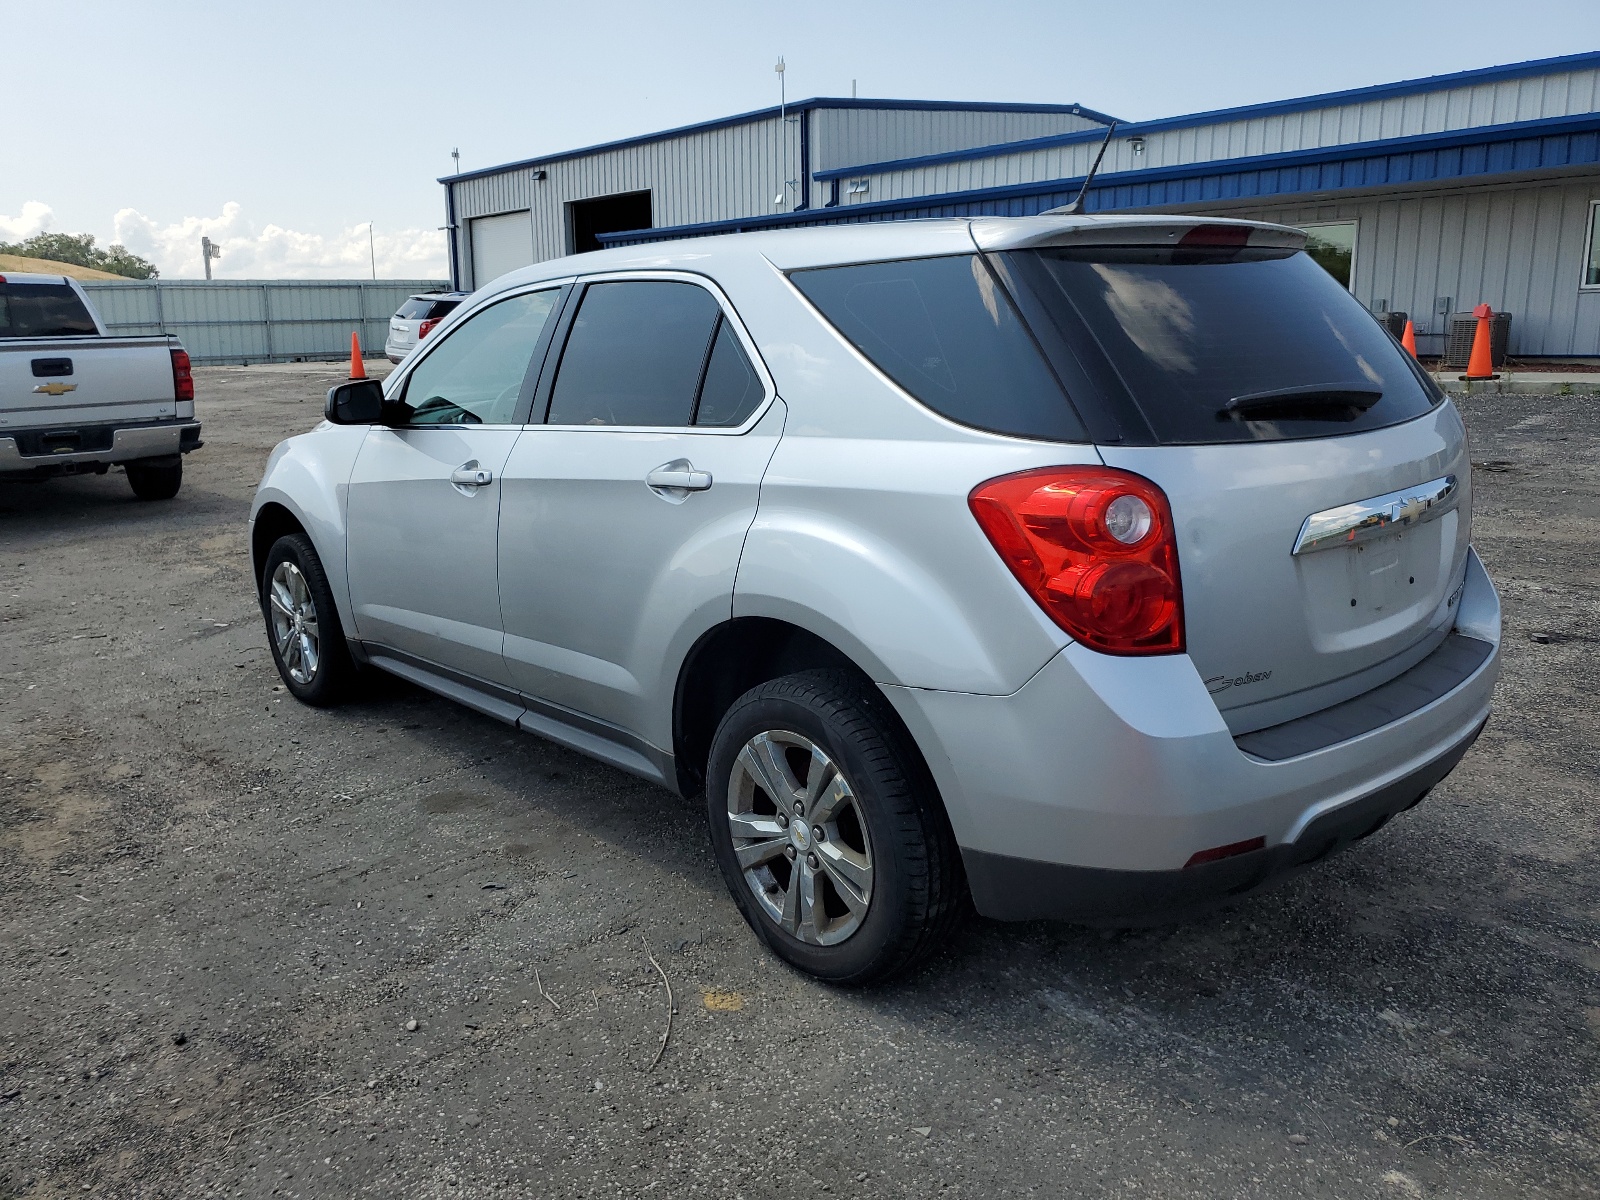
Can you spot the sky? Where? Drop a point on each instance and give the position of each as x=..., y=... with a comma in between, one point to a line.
x=282, y=131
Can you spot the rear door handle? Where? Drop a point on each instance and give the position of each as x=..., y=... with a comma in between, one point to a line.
x=470, y=475
x=679, y=475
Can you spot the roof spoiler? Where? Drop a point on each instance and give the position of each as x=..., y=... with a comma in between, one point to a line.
x=1023, y=233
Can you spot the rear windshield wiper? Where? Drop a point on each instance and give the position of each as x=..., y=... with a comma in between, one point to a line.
x=1311, y=401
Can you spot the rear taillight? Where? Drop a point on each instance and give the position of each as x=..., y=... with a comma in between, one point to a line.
x=426, y=327
x=182, y=376
x=1095, y=548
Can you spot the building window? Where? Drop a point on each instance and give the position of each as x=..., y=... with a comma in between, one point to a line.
x=1591, y=258
x=1334, y=248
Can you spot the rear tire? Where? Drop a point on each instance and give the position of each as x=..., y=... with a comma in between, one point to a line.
x=851, y=873
x=155, y=481
x=303, y=627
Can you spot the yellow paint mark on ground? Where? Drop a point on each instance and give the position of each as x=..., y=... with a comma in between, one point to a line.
x=720, y=1001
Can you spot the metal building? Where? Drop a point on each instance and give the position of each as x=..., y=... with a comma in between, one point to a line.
x=1427, y=196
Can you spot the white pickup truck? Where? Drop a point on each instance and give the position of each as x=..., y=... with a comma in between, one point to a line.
x=73, y=400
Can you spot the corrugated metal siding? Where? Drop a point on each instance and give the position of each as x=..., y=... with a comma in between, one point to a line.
x=269, y=320
x=715, y=175
x=847, y=136
x=1535, y=98
x=723, y=174
x=489, y=195
x=1519, y=249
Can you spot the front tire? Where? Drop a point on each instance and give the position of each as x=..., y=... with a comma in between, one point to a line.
x=828, y=829
x=155, y=481
x=303, y=625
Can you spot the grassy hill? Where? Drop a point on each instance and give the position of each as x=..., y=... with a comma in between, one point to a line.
x=44, y=266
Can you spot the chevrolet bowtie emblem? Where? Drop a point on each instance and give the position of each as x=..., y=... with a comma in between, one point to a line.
x=56, y=389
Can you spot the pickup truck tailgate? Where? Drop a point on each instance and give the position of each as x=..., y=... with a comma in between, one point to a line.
x=85, y=381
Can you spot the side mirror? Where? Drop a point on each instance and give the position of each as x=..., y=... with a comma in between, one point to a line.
x=359, y=402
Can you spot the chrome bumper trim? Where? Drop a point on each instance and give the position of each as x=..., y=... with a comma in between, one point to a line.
x=148, y=441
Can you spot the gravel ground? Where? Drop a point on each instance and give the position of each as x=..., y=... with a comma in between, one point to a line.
x=396, y=949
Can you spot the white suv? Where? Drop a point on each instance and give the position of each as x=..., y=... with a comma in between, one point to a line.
x=1095, y=568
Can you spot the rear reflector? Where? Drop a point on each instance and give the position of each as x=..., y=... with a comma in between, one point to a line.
x=1219, y=852
x=182, y=376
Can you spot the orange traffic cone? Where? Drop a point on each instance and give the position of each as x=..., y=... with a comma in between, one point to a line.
x=1408, y=339
x=358, y=369
x=1481, y=364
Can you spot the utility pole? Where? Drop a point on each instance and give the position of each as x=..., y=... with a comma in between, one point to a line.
x=208, y=251
x=456, y=155
x=371, y=253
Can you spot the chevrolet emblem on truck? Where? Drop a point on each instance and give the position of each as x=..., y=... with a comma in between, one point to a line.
x=56, y=389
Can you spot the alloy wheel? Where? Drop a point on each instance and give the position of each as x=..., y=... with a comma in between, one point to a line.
x=799, y=837
x=294, y=622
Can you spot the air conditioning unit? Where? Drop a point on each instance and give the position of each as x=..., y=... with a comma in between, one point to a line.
x=1463, y=327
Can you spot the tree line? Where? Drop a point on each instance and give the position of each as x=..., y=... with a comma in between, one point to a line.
x=80, y=250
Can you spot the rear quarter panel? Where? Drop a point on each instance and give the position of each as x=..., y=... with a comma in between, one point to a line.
x=863, y=535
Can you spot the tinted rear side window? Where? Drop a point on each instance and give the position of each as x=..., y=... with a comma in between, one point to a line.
x=732, y=389
x=43, y=310
x=945, y=331
x=635, y=354
x=441, y=308
x=1230, y=345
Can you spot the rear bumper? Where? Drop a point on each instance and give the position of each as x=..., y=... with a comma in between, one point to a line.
x=1016, y=889
x=1085, y=794
x=126, y=443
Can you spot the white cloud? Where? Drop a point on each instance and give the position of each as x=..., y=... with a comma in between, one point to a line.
x=35, y=218
x=273, y=252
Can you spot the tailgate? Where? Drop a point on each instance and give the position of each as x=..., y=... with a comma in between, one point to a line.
x=1277, y=634
x=70, y=382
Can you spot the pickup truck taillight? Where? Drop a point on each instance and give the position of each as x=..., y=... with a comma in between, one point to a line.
x=1095, y=549
x=426, y=327
x=182, y=376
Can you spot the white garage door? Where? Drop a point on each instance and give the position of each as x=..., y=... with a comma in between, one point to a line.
x=500, y=244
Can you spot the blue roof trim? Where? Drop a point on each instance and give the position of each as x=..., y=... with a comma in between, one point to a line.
x=1384, y=91
x=1494, y=149
x=766, y=114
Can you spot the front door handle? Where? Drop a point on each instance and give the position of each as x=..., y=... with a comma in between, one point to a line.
x=678, y=475
x=469, y=476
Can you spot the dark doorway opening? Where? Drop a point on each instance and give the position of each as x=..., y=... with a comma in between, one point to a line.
x=606, y=214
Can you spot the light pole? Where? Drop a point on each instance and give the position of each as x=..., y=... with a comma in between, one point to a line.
x=372, y=253
x=208, y=251
x=783, y=124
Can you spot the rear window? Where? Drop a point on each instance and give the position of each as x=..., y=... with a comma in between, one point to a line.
x=43, y=310
x=945, y=331
x=422, y=308
x=1224, y=345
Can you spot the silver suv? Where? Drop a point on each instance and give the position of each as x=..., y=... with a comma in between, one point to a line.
x=1093, y=568
x=416, y=319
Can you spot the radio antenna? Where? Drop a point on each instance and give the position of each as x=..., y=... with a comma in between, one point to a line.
x=1076, y=207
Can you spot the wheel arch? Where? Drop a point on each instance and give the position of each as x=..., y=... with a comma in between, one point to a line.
x=739, y=654
x=272, y=521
